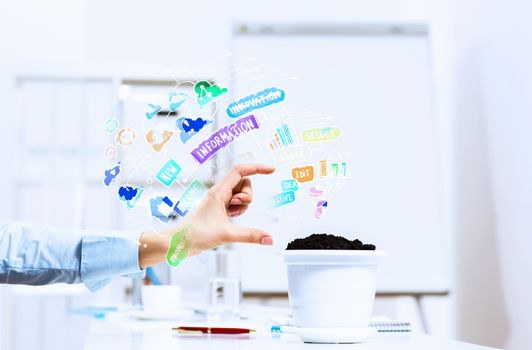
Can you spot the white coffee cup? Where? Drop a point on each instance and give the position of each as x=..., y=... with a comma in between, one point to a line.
x=332, y=288
x=161, y=299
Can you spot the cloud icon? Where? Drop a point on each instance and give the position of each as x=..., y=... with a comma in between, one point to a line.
x=207, y=92
x=190, y=127
x=130, y=195
x=127, y=193
x=175, y=100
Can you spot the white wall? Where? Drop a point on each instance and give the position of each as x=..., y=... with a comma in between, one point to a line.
x=161, y=31
x=477, y=290
x=505, y=56
x=488, y=89
x=42, y=31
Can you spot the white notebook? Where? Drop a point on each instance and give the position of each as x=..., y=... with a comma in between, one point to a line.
x=386, y=324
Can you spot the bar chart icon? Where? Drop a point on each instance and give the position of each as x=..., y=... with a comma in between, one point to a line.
x=323, y=168
x=282, y=137
x=333, y=170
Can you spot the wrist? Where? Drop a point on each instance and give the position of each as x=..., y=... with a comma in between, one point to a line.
x=152, y=248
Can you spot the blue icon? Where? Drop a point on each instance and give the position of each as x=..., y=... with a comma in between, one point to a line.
x=175, y=100
x=168, y=173
x=190, y=127
x=282, y=199
x=111, y=175
x=180, y=211
x=261, y=99
x=155, y=109
x=130, y=195
x=289, y=185
x=111, y=125
x=162, y=208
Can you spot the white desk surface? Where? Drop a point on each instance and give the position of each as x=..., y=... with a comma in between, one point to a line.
x=125, y=334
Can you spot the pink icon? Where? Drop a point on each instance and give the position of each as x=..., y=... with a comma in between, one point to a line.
x=321, y=208
x=110, y=152
x=316, y=191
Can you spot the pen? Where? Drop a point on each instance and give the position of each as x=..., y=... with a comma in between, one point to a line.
x=213, y=330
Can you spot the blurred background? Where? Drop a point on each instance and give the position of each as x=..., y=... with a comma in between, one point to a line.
x=456, y=74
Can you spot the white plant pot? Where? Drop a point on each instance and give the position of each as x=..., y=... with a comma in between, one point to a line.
x=332, y=288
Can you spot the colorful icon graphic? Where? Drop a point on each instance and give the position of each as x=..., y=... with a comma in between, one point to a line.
x=154, y=110
x=111, y=152
x=168, y=173
x=321, y=134
x=190, y=127
x=316, y=191
x=157, y=140
x=321, y=208
x=207, y=92
x=126, y=136
x=282, y=199
x=175, y=100
x=111, y=175
x=130, y=195
x=180, y=211
x=178, y=248
x=261, y=99
x=289, y=185
x=111, y=125
x=223, y=137
x=303, y=174
x=162, y=208
x=191, y=197
x=336, y=170
x=323, y=168
x=293, y=154
x=282, y=138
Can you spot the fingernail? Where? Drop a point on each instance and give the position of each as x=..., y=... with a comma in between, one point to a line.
x=266, y=240
x=236, y=201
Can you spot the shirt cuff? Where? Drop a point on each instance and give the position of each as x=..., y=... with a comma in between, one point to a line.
x=103, y=258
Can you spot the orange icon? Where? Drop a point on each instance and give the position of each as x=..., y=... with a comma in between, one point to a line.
x=126, y=136
x=157, y=140
x=303, y=174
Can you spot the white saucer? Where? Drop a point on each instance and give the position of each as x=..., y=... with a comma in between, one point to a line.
x=333, y=335
x=160, y=316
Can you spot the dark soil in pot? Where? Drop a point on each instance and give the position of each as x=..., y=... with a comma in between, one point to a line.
x=327, y=241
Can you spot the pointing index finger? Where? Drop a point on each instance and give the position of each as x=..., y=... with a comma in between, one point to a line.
x=242, y=170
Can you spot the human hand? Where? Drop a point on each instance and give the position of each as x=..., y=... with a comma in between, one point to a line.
x=209, y=225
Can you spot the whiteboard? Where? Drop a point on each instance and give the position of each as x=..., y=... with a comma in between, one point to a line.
x=375, y=83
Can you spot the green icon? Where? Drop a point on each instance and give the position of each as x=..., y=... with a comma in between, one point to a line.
x=178, y=248
x=207, y=92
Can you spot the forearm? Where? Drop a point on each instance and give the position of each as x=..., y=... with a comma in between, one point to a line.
x=36, y=255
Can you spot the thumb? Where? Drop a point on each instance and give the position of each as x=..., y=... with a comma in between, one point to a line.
x=239, y=234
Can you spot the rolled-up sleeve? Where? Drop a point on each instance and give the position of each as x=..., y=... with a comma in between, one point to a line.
x=37, y=255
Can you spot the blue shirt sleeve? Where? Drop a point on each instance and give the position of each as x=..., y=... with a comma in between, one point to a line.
x=37, y=255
